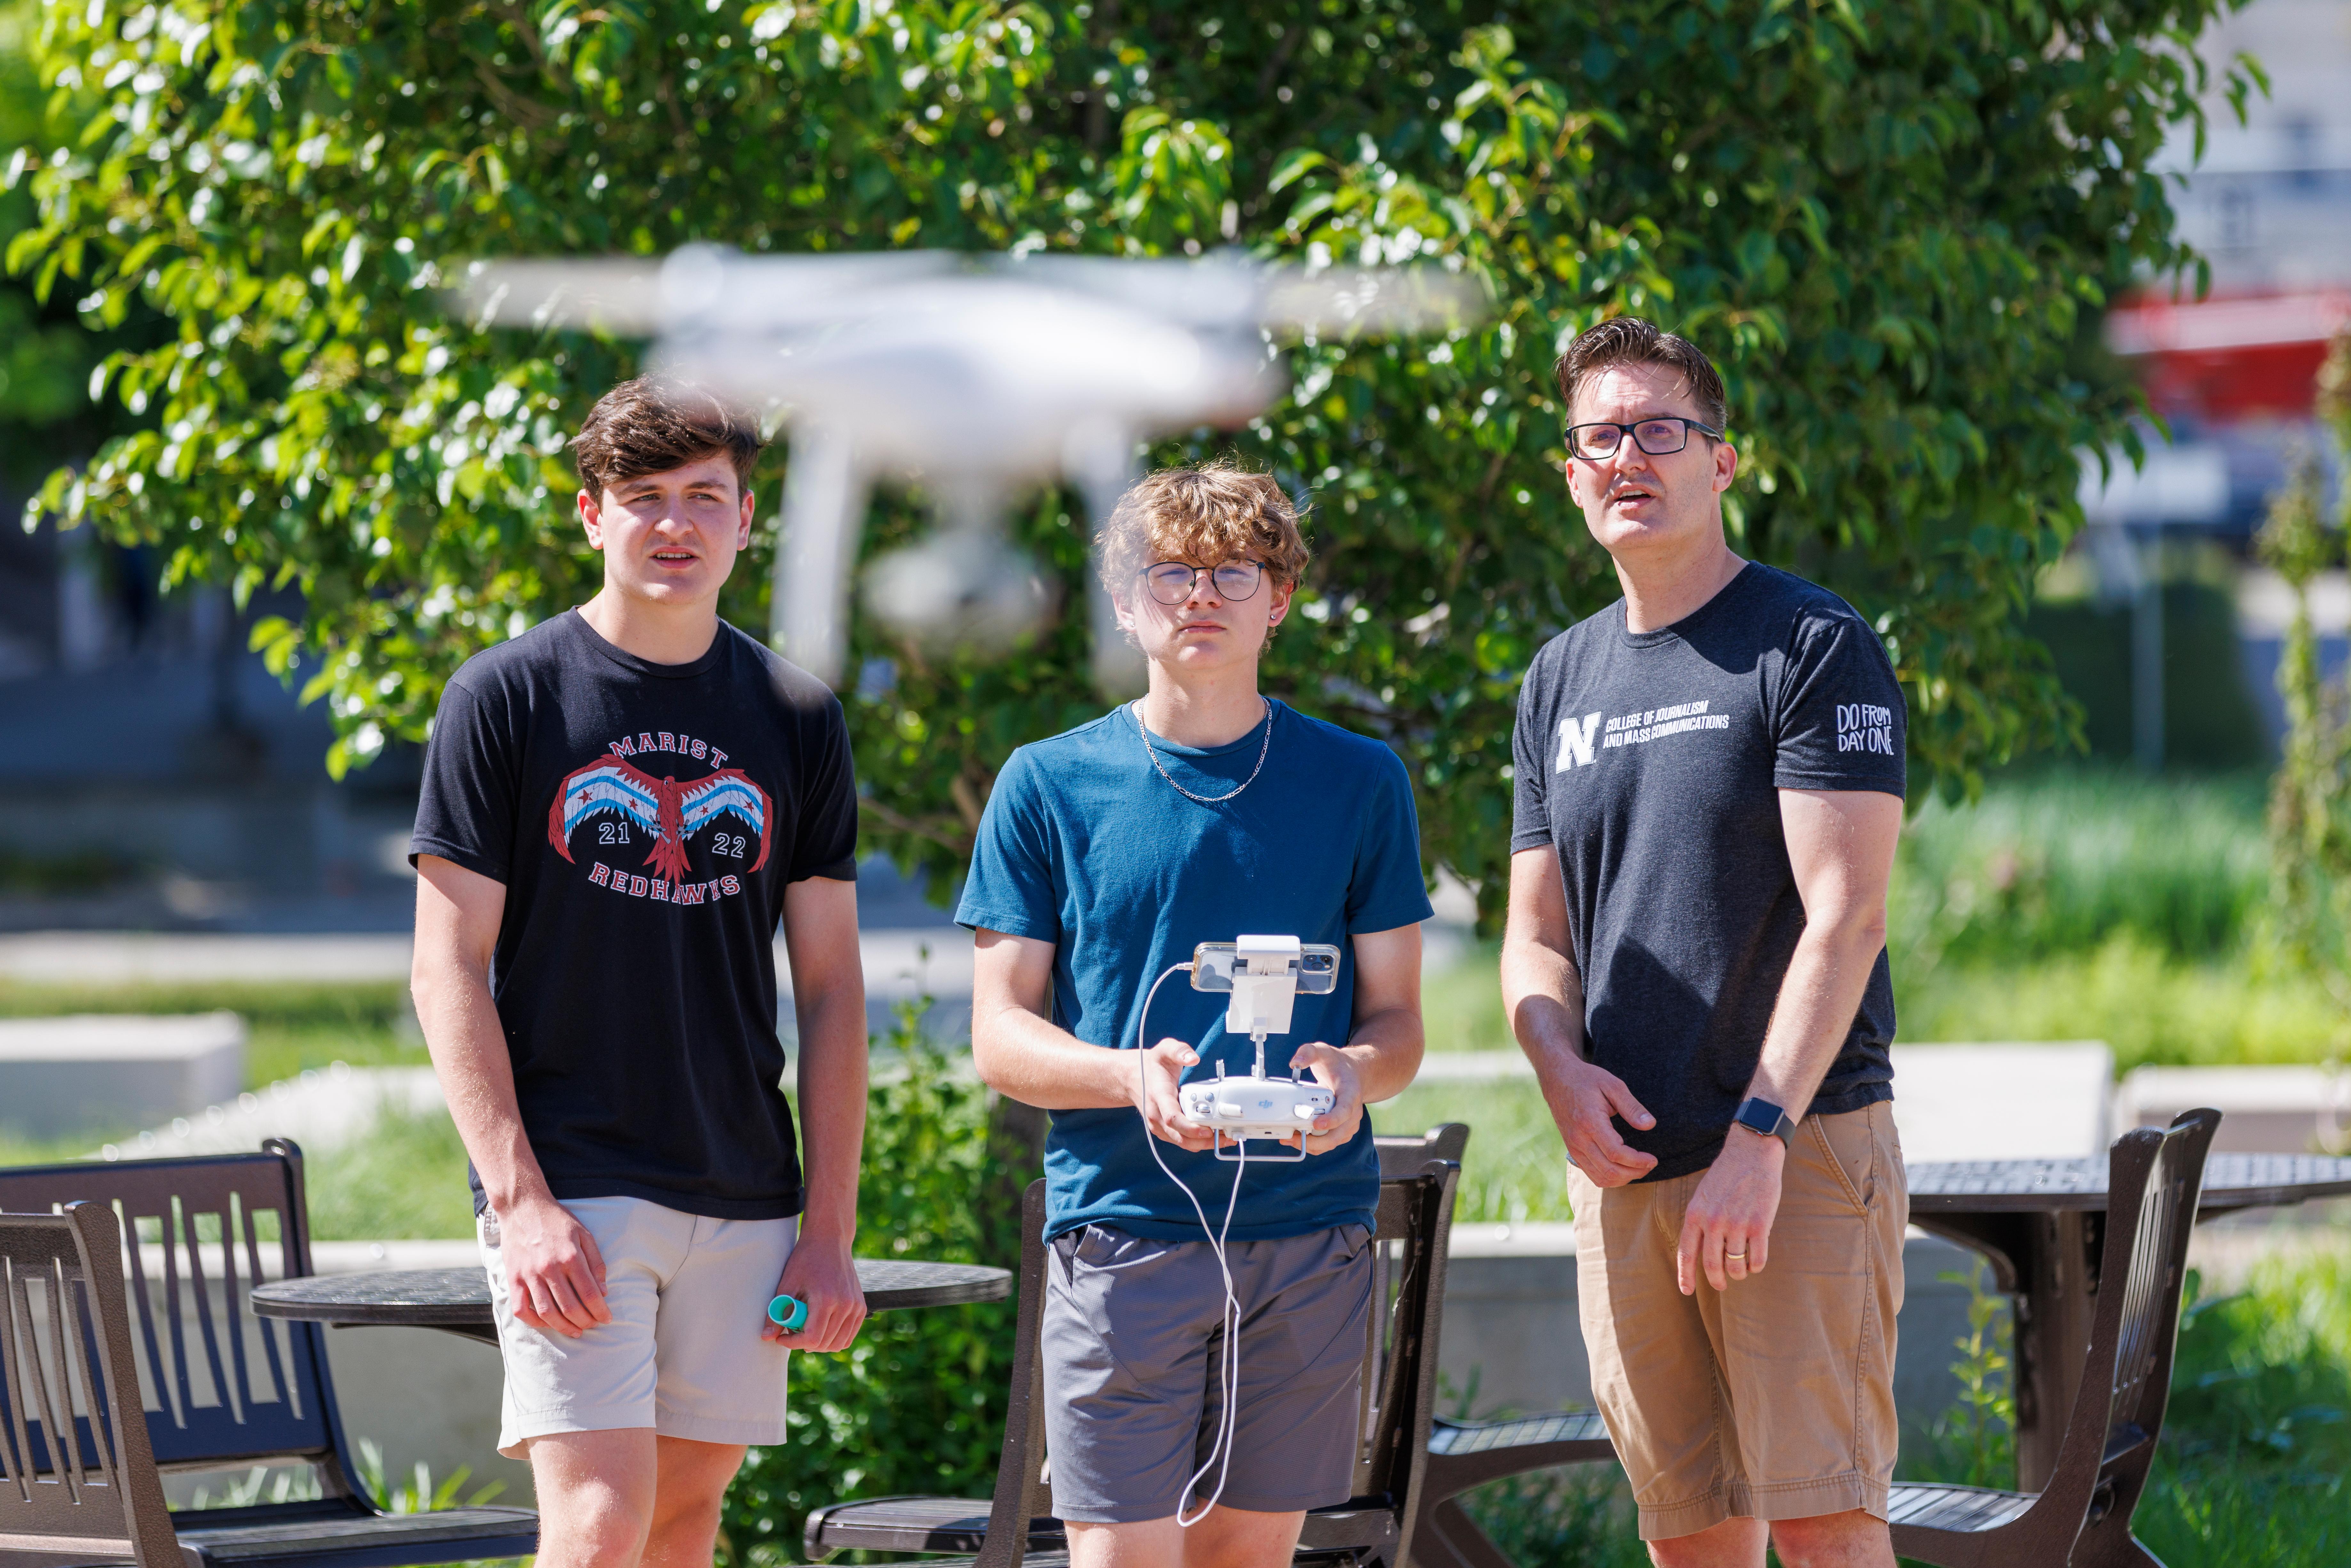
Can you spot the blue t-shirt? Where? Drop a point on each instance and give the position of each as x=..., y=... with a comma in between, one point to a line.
x=1084, y=845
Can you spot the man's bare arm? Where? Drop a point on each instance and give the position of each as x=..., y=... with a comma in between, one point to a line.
x=829, y=1002
x=552, y=1264
x=1543, y=997
x=1841, y=845
x=1020, y=1052
x=1385, y=1044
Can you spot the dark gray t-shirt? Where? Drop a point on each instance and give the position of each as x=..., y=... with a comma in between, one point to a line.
x=1654, y=762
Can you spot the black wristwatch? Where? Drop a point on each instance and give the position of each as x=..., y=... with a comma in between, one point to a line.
x=1761, y=1116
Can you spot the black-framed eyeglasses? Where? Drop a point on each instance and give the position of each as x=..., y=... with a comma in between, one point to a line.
x=1171, y=581
x=1658, y=437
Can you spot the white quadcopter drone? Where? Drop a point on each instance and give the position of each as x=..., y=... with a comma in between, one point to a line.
x=978, y=376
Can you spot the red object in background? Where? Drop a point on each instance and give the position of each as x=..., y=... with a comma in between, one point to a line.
x=2229, y=357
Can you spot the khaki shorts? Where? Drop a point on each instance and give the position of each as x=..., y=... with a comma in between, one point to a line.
x=682, y=1354
x=1773, y=1399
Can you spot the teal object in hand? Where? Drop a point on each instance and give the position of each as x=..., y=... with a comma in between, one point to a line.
x=788, y=1313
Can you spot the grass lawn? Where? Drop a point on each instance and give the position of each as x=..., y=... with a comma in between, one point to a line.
x=2088, y=904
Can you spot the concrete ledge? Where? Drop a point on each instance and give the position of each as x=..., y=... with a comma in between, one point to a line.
x=61, y=1076
x=2263, y=1110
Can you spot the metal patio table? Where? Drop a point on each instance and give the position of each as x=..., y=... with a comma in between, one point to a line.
x=458, y=1299
x=2042, y=1224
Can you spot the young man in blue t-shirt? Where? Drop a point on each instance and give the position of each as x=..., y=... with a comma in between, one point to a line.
x=1201, y=811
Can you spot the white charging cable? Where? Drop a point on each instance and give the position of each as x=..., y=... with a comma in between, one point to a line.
x=1228, y=1374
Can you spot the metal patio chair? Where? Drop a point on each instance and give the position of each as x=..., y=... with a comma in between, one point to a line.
x=2082, y=1519
x=178, y=1375
x=1463, y=1454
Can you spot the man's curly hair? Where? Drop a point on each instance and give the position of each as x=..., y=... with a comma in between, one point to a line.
x=1203, y=516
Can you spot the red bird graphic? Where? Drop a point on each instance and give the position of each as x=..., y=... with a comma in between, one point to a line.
x=669, y=811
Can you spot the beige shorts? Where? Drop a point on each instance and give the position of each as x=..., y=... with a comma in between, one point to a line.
x=682, y=1354
x=1773, y=1399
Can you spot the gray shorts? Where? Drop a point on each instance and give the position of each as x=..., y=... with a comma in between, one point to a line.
x=1133, y=1341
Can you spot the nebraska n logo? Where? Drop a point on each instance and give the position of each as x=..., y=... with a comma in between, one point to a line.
x=1575, y=742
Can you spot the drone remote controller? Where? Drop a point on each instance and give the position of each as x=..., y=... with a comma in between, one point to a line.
x=1255, y=1106
x=1264, y=974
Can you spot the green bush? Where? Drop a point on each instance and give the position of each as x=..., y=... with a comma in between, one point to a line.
x=2064, y=860
x=1578, y=1516
x=2264, y=1377
x=1974, y=1442
x=917, y=1404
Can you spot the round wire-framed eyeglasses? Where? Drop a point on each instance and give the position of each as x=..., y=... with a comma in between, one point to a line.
x=1171, y=581
x=1658, y=437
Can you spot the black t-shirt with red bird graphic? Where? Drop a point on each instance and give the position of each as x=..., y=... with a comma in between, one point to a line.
x=644, y=819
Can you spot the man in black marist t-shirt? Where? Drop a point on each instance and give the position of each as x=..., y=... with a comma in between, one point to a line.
x=1709, y=778
x=619, y=807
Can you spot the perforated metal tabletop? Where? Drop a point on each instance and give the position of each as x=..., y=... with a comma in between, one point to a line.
x=2040, y=1186
x=459, y=1299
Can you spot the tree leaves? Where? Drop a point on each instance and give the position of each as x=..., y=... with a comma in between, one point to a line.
x=1891, y=224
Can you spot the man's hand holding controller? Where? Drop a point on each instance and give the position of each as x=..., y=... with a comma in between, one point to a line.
x=1335, y=1071
x=1159, y=1098
x=1157, y=1094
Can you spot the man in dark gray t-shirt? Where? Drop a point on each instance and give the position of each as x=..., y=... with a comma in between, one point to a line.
x=1710, y=777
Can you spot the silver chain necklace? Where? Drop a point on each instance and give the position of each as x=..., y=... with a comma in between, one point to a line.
x=1136, y=713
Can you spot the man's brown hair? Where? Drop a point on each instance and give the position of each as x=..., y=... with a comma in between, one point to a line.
x=652, y=424
x=1204, y=515
x=1630, y=341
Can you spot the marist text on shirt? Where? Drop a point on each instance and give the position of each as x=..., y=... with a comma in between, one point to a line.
x=663, y=740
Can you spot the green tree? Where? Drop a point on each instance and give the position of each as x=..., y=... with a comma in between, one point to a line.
x=2310, y=797
x=46, y=353
x=1894, y=226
